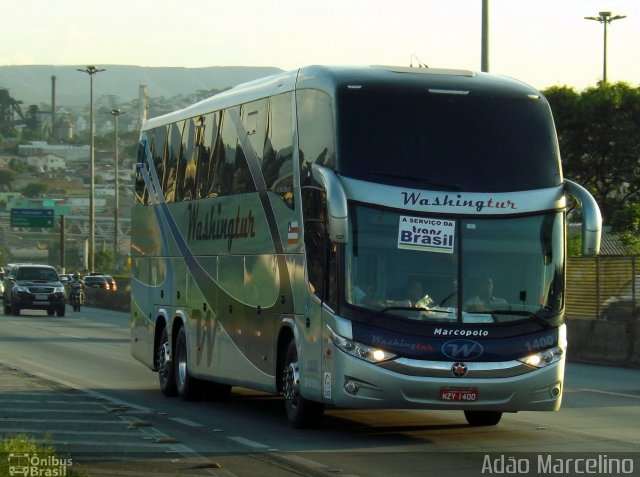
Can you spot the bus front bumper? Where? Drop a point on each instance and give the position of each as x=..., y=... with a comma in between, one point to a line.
x=506, y=386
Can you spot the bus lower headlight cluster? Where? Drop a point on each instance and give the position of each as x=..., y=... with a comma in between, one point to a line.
x=544, y=358
x=360, y=350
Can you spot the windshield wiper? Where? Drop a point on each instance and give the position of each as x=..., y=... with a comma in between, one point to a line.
x=422, y=180
x=529, y=314
x=396, y=308
x=411, y=308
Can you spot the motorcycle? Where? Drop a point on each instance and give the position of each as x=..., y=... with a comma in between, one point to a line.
x=76, y=296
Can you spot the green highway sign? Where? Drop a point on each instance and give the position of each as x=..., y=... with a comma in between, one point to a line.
x=32, y=218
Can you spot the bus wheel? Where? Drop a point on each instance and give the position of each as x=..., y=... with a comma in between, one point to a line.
x=300, y=411
x=164, y=365
x=188, y=387
x=483, y=418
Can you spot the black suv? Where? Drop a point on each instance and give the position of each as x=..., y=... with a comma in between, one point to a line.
x=34, y=287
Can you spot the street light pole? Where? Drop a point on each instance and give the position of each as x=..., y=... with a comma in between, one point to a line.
x=91, y=70
x=484, y=55
x=116, y=113
x=605, y=18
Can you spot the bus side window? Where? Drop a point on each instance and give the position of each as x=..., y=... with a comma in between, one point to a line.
x=159, y=151
x=208, y=129
x=254, y=122
x=316, y=136
x=172, y=160
x=188, y=164
x=141, y=192
x=142, y=195
x=221, y=174
x=277, y=166
x=236, y=170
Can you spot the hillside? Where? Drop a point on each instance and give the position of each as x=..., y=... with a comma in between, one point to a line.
x=32, y=84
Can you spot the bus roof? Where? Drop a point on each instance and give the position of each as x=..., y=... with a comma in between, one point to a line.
x=332, y=78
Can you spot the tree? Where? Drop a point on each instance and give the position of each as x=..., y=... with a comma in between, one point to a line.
x=103, y=259
x=599, y=135
x=626, y=223
x=6, y=178
x=5, y=255
x=34, y=190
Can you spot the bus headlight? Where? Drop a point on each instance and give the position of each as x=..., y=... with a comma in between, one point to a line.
x=543, y=358
x=360, y=350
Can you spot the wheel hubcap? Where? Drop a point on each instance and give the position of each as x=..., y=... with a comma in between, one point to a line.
x=163, y=358
x=291, y=388
x=182, y=367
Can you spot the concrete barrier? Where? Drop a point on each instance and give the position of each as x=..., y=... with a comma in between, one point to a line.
x=110, y=300
x=615, y=343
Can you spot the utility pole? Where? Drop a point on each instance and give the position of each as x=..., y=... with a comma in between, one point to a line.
x=116, y=113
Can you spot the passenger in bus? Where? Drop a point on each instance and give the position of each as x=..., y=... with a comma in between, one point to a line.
x=416, y=297
x=484, y=300
x=363, y=296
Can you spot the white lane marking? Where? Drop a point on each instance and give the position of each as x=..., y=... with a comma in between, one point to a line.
x=303, y=461
x=610, y=393
x=186, y=422
x=248, y=442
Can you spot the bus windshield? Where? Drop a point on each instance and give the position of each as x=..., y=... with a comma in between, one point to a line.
x=457, y=142
x=479, y=270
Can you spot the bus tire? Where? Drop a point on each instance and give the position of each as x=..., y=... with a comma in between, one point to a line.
x=301, y=412
x=483, y=418
x=164, y=365
x=188, y=388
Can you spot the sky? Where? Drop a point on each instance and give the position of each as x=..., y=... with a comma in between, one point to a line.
x=541, y=42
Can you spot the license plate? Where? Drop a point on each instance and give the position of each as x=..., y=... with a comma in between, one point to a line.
x=459, y=394
x=42, y=297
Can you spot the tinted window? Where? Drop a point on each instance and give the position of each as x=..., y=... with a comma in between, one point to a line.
x=206, y=136
x=172, y=161
x=188, y=165
x=315, y=131
x=159, y=151
x=225, y=155
x=277, y=166
x=254, y=121
x=445, y=141
x=141, y=193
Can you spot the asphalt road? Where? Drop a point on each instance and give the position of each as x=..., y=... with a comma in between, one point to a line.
x=73, y=379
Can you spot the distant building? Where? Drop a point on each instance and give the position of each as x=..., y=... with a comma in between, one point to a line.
x=66, y=151
x=47, y=163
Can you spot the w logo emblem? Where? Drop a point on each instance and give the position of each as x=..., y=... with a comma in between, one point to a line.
x=466, y=350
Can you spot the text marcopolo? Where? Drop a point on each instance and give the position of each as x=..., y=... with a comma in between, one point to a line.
x=459, y=332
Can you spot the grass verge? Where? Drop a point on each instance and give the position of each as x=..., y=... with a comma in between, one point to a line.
x=21, y=455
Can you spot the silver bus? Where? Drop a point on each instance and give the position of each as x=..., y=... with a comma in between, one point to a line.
x=357, y=237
